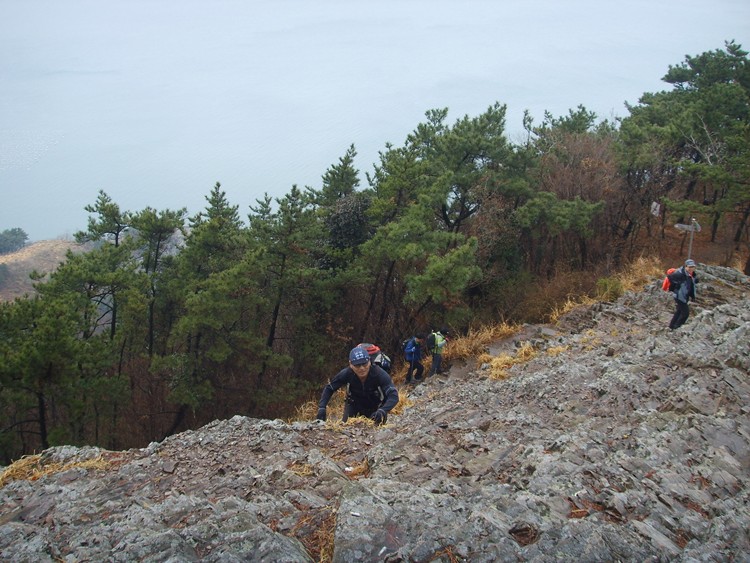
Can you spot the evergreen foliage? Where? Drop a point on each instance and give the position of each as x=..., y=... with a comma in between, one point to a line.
x=12, y=240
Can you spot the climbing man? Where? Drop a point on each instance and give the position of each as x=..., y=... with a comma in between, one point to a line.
x=371, y=392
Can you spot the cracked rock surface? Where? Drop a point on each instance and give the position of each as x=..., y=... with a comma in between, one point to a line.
x=618, y=440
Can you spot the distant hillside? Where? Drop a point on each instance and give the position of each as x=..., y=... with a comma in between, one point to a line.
x=43, y=256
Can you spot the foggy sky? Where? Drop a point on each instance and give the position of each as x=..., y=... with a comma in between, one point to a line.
x=154, y=101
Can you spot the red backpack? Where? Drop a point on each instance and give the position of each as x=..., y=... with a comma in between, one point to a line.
x=666, y=285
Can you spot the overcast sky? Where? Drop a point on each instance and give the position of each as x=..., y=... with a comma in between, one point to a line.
x=154, y=101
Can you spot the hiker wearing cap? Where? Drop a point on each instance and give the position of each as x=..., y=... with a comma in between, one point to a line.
x=683, y=282
x=371, y=391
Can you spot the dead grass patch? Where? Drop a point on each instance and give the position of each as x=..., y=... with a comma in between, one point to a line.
x=317, y=531
x=556, y=350
x=309, y=410
x=640, y=272
x=590, y=340
x=404, y=402
x=360, y=470
x=572, y=302
x=301, y=469
x=499, y=365
x=476, y=340
x=446, y=553
x=31, y=468
x=549, y=301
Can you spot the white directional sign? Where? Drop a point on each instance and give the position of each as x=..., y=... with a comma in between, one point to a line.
x=683, y=227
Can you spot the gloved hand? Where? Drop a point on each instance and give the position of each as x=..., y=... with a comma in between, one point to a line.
x=321, y=414
x=379, y=416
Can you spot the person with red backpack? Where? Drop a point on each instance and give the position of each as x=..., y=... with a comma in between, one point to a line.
x=682, y=284
x=377, y=356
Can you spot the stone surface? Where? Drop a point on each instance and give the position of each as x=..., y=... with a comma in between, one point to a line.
x=617, y=441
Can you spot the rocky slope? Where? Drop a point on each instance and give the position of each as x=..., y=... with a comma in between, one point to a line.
x=616, y=440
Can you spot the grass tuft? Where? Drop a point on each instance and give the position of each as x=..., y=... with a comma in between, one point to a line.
x=31, y=468
x=476, y=341
x=499, y=365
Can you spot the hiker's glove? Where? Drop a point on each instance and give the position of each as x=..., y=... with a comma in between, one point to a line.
x=321, y=414
x=378, y=416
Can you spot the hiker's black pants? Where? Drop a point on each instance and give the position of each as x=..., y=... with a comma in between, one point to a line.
x=437, y=360
x=681, y=314
x=415, y=367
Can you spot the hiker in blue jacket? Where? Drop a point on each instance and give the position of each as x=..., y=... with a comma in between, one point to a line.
x=371, y=391
x=683, y=282
x=413, y=355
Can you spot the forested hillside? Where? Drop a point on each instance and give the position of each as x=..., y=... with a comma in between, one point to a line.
x=172, y=321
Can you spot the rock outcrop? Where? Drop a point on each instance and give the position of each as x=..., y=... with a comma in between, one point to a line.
x=616, y=440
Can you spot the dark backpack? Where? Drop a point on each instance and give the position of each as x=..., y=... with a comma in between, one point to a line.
x=383, y=361
x=431, y=341
x=377, y=356
x=667, y=284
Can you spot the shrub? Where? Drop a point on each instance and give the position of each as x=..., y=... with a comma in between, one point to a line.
x=608, y=289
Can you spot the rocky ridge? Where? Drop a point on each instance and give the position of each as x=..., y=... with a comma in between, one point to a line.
x=618, y=440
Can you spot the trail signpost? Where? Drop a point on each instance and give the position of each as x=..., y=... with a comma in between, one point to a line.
x=693, y=227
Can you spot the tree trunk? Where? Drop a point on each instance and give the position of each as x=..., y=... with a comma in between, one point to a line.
x=583, y=247
x=179, y=417
x=384, y=306
x=42, y=412
x=370, y=307
x=741, y=228
x=714, y=226
x=113, y=317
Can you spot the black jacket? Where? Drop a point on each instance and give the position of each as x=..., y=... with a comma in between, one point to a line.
x=683, y=284
x=377, y=391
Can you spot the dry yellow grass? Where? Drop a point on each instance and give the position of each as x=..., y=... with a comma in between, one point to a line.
x=320, y=543
x=556, y=350
x=309, y=410
x=569, y=305
x=335, y=412
x=31, y=468
x=301, y=469
x=499, y=365
x=403, y=402
x=360, y=470
x=477, y=340
x=640, y=272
